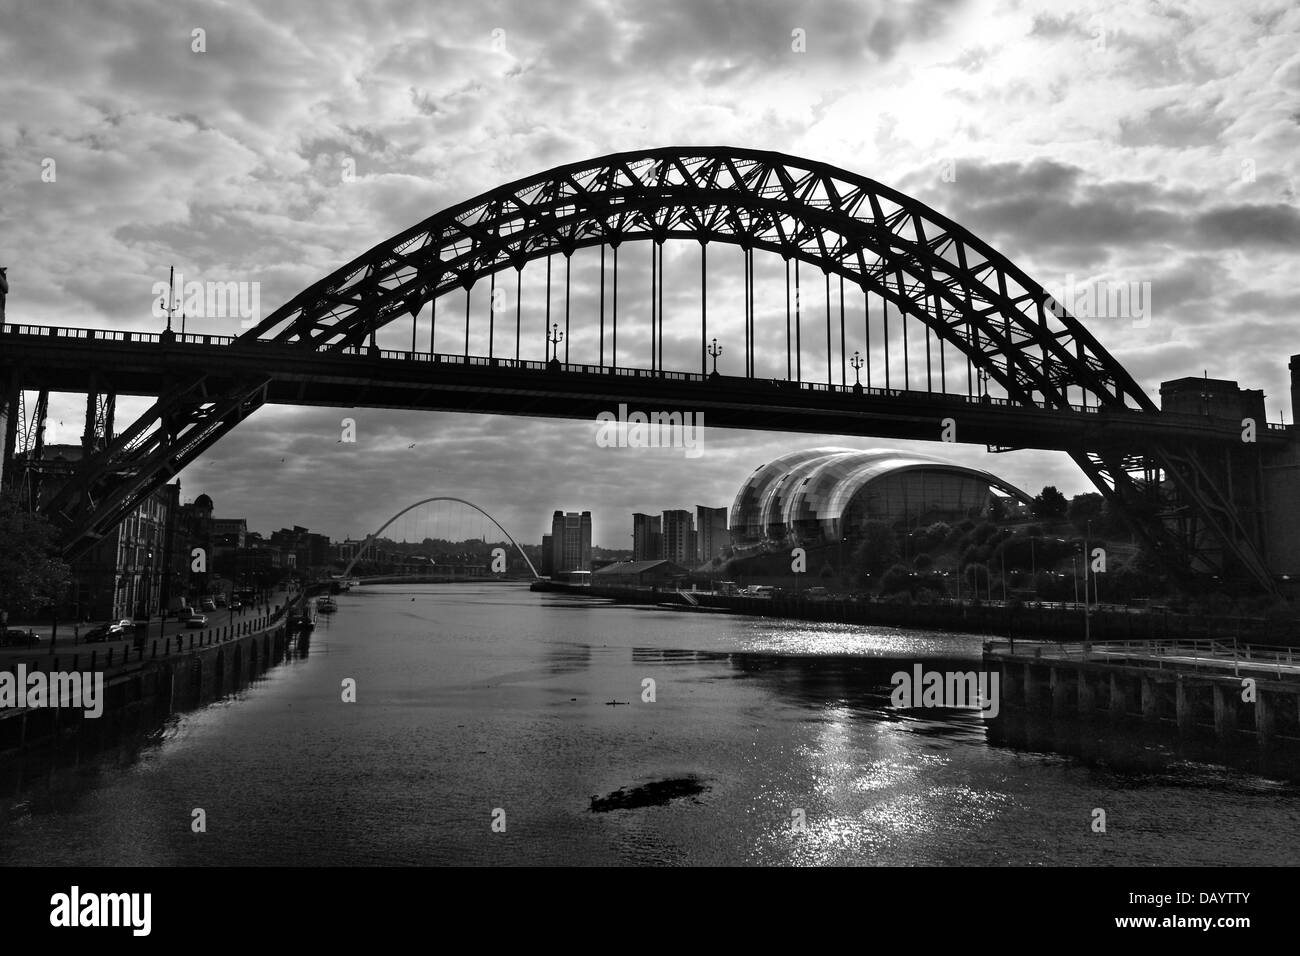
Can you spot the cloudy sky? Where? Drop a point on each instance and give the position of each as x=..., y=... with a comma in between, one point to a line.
x=1092, y=143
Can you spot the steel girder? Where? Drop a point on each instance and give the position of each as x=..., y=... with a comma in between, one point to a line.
x=1181, y=508
x=889, y=244
x=184, y=422
x=101, y=413
x=884, y=241
x=28, y=442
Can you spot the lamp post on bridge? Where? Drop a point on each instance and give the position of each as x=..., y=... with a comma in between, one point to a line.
x=555, y=338
x=857, y=363
x=168, y=336
x=714, y=351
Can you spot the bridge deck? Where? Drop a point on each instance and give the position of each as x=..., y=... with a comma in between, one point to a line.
x=136, y=363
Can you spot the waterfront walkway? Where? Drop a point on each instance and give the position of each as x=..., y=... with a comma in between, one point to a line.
x=1219, y=658
x=164, y=640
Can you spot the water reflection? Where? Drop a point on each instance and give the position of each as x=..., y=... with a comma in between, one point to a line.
x=475, y=697
x=52, y=775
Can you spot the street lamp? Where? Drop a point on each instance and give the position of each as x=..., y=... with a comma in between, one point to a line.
x=714, y=351
x=555, y=338
x=148, y=593
x=1087, y=618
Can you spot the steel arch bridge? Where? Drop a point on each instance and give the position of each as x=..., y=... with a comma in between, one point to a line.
x=927, y=266
x=370, y=539
x=1176, y=486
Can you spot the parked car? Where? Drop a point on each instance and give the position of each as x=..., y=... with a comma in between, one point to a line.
x=109, y=631
x=221, y=600
x=196, y=621
x=236, y=605
x=17, y=637
x=207, y=604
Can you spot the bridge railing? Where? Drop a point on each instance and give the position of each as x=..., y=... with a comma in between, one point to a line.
x=445, y=358
x=1205, y=652
x=114, y=335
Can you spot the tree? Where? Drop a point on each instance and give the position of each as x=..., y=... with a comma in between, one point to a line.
x=977, y=577
x=997, y=508
x=1084, y=508
x=940, y=532
x=32, y=575
x=900, y=579
x=1049, y=587
x=879, y=547
x=1050, y=503
x=896, y=579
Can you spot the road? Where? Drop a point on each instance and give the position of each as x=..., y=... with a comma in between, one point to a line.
x=66, y=643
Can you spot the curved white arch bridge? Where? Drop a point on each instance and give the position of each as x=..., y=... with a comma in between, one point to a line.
x=370, y=539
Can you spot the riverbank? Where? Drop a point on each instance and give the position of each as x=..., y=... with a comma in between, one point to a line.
x=1039, y=621
x=146, y=679
x=1202, y=688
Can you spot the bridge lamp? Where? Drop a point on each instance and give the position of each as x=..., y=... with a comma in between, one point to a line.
x=715, y=350
x=555, y=338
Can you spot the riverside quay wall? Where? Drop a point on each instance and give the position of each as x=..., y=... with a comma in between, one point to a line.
x=995, y=619
x=1237, y=696
x=150, y=679
x=1189, y=685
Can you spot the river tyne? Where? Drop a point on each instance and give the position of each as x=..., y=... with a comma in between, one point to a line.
x=490, y=704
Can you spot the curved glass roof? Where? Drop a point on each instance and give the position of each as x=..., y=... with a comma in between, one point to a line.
x=816, y=487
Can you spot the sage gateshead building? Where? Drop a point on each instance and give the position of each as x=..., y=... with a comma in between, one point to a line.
x=824, y=495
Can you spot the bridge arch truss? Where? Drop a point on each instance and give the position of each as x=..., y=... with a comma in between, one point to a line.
x=1178, y=495
x=888, y=244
